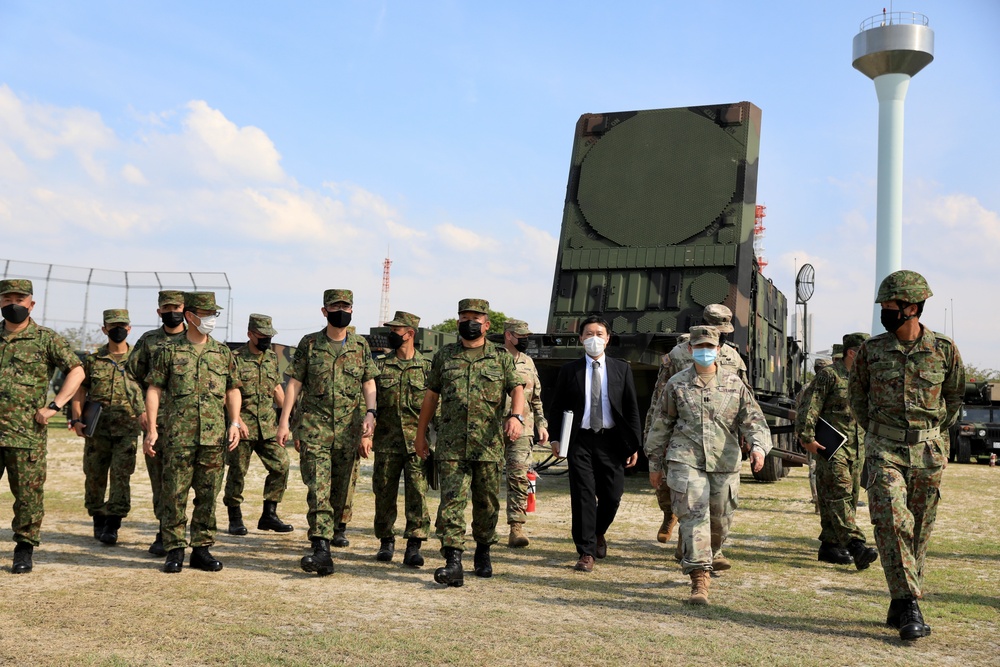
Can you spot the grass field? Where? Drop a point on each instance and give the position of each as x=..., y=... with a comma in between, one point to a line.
x=89, y=604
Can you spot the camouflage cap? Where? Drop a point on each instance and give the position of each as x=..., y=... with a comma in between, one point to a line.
x=474, y=306
x=402, y=319
x=908, y=286
x=261, y=324
x=201, y=301
x=683, y=338
x=855, y=339
x=837, y=351
x=116, y=316
x=820, y=364
x=718, y=316
x=170, y=297
x=332, y=296
x=704, y=334
x=517, y=327
x=16, y=286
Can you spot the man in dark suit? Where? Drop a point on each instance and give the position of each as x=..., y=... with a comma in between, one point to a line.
x=604, y=440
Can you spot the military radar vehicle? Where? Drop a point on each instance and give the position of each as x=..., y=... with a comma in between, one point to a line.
x=658, y=223
x=976, y=434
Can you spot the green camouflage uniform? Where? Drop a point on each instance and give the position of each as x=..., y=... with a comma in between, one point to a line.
x=838, y=481
x=697, y=429
x=258, y=375
x=27, y=360
x=518, y=452
x=331, y=416
x=401, y=385
x=109, y=455
x=195, y=436
x=905, y=397
x=473, y=384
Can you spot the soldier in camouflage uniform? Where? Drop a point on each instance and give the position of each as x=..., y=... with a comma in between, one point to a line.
x=334, y=372
x=28, y=356
x=838, y=480
x=906, y=389
x=472, y=379
x=199, y=375
x=170, y=308
x=701, y=414
x=401, y=384
x=257, y=369
x=843, y=555
x=518, y=452
x=109, y=454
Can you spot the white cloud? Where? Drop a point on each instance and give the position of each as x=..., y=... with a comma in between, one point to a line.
x=245, y=152
x=461, y=239
x=133, y=175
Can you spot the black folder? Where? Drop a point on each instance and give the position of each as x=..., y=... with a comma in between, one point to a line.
x=431, y=470
x=90, y=415
x=829, y=437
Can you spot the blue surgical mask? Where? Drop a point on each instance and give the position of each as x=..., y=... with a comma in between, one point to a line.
x=704, y=356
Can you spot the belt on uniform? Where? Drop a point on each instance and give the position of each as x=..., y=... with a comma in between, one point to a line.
x=909, y=436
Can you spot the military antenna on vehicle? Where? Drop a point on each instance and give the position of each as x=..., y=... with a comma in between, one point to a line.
x=805, y=285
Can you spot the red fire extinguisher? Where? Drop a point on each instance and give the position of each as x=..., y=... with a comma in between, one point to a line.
x=532, y=479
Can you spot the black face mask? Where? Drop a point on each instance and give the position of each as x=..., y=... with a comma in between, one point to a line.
x=14, y=313
x=893, y=319
x=521, y=345
x=470, y=330
x=264, y=343
x=172, y=319
x=117, y=334
x=338, y=318
x=395, y=340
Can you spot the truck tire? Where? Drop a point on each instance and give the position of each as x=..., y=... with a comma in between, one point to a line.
x=772, y=470
x=964, y=450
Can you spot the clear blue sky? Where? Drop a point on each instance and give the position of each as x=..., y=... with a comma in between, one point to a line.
x=289, y=144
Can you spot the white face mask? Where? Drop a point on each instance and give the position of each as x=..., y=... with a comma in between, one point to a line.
x=594, y=346
x=207, y=325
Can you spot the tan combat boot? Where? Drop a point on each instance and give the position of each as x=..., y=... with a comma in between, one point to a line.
x=666, y=529
x=517, y=538
x=699, y=587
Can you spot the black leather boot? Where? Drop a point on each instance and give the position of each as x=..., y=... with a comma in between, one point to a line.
x=339, y=536
x=386, y=550
x=236, y=526
x=156, y=548
x=269, y=519
x=110, y=533
x=319, y=561
x=202, y=559
x=175, y=561
x=831, y=553
x=484, y=567
x=451, y=573
x=412, y=556
x=22, y=558
x=904, y=615
x=99, y=520
x=863, y=555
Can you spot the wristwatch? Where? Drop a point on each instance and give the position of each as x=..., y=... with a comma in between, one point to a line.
x=373, y=412
x=53, y=406
x=518, y=418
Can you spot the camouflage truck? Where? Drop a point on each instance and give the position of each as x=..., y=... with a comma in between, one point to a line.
x=658, y=223
x=976, y=434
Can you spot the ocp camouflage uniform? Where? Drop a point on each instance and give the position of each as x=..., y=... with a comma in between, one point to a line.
x=331, y=416
x=195, y=438
x=518, y=452
x=473, y=384
x=109, y=455
x=27, y=360
x=696, y=430
x=905, y=396
x=400, y=385
x=258, y=375
x=838, y=481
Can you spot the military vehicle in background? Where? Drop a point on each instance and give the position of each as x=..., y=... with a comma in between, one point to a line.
x=976, y=434
x=658, y=223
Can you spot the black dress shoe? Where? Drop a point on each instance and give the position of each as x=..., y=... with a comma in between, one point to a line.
x=602, y=547
x=22, y=558
x=863, y=555
x=202, y=559
x=156, y=548
x=831, y=553
x=175, y=561
x=482, y=562
x=412, y=557
x=386, y=550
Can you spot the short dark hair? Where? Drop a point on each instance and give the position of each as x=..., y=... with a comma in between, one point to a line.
x=595, y=319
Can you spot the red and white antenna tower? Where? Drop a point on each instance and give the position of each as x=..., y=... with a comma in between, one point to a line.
x=383, y=310
x=758, y=237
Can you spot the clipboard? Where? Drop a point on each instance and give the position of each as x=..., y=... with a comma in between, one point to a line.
x=831, y=439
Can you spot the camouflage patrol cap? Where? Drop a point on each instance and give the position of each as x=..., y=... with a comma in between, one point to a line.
x=855, y=339
x=837, y=351
x=402, y=319
x=170, y=297
x=820, y=364
x=474, y=306
x=704, y=334
x=261, y=324
x=517, y=327
x=116, y=316
x=332, y=296
x=16, y=286
x=908, y=286
x=718, y=316
x=201, y=301
x=683, y=338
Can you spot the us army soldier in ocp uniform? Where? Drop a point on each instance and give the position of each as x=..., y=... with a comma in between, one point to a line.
x=109, y=455
x=906, y=389
x=257, y=369
x=170, y=309
x=28, y=356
